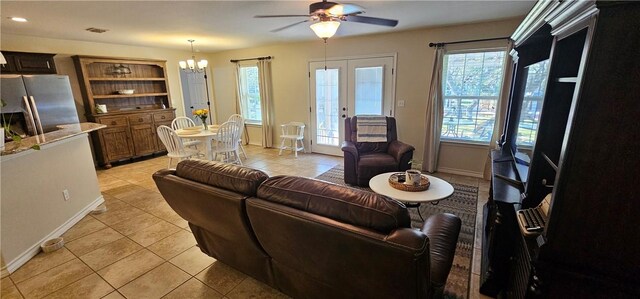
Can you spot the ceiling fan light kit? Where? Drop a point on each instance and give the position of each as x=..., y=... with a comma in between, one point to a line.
x=325, y=29
x=328, y=15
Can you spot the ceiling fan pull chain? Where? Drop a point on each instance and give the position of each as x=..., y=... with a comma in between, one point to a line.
x=325, y=54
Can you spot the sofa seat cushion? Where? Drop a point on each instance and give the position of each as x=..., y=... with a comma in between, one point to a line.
x=373, y=164
x=352, y=206
x=231, y=177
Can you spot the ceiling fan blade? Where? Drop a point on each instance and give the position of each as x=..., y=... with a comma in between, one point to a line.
x=291, y=25
x=372, y=20
x=345, y=9
x=278, y=16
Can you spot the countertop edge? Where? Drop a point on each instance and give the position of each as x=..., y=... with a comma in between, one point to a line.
x=44, y=140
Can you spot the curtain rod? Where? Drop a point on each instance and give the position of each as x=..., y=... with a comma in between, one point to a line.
x=466, y=41
x=255, y=58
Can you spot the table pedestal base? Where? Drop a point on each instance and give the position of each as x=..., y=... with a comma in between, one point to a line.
x=417, y=206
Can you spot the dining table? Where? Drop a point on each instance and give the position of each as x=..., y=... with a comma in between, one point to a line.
x=204, y=135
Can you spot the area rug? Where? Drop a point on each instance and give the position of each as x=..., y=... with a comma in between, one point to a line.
x=462, y=204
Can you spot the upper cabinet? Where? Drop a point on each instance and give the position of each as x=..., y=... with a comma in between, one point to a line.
x=122, y=84
x=28, y=63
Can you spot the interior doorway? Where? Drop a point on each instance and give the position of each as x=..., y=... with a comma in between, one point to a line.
x=342, y=88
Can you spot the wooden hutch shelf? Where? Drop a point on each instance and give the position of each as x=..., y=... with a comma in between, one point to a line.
x=131, y=119
x=136, y=95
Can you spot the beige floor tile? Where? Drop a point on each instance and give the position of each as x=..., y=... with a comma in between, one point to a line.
x=178, y=221
x=251, y=288
x=146, y=200
x=173, y=245
x=474, y=287
x=136, y=224
x=192, y=260
x=193, y=288
x=221, y=277
x=11, y=293
x=477, y=261
x=154, y=233
x=40, y=263
x=84, y=227
x=93, y=241
x=112, y=185
x=116, y=204
x=124, y=190
x=89, y=287
x=112, y=217
x=110, y=253
x=155, y=283
x=114, y=295
x=129, y=268
x=54, y=279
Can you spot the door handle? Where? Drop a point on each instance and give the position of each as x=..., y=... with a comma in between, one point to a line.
x=36, y=115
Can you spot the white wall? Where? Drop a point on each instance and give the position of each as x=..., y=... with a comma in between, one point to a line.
x=33, y=208
x=414, y=67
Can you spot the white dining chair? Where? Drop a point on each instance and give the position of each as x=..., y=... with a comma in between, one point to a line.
x=240, y=120
x=227, y=143
x=174, y=145
x=182, y=122
x=292, y=133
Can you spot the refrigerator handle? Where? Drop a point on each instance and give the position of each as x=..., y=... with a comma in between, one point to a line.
x=31, y=124
x=36, y=115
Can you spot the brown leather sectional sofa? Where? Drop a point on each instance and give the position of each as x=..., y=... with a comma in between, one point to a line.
x=309, y=238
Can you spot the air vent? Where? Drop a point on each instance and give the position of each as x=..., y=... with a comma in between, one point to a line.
x=96, y=30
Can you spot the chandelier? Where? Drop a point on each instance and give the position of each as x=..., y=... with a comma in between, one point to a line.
x=191, y=64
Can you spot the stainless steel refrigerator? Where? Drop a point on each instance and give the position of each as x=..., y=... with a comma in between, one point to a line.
x=43, y=102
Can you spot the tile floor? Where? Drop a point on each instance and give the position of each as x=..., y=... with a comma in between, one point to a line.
x=140, y=248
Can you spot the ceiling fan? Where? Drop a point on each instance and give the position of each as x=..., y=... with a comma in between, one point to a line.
x=328, y=15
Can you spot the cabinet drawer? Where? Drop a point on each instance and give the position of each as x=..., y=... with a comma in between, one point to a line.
x=163, y=116
x=113, y=121
x=140, y=119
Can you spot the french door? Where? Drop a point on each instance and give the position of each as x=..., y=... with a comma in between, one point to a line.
x=346, y=88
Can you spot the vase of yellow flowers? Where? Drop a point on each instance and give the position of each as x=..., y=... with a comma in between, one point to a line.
x=202, y=115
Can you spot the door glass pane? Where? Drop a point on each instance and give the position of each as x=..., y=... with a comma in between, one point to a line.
x=368, y=89
x=327, y=107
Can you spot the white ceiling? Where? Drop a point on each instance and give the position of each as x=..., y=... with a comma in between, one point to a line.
x=224, y=25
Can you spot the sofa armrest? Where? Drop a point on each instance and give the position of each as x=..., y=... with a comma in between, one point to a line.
x=350, y=147
x=398, y=148
x=443, y=231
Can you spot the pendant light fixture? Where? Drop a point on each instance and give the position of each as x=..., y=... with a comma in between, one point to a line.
x=325, y=29
x=198, y=67
x=191, y=64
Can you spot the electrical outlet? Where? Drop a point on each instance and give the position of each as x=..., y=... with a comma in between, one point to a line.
x=66, y=195
x=401, y=103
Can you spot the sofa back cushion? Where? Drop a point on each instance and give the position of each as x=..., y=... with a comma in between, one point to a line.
x=221, y=175
x=352, y=206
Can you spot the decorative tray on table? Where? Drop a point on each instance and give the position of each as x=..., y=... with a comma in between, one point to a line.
x=398, y=181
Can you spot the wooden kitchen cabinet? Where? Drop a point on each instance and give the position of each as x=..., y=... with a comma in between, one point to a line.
x=28, y=63
x=135, y=115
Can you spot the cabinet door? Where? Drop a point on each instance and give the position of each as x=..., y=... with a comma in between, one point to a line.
x=34, y=64
x=117, y=143
x=144, y=140
x=161, y=147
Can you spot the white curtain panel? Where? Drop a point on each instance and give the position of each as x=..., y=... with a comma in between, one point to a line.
x=238, y=97
x=264, y=74
x=502, y=106
x=434, y=113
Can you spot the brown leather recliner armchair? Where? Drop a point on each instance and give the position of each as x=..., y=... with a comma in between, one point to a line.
x=364, y=160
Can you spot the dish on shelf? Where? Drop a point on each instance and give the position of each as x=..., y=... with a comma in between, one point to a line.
x=126, y=91
x=197, y=128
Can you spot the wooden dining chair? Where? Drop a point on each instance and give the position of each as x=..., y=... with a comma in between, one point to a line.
x=174, y=145
x=182, y=122
x=240, y=121
x=226, y=143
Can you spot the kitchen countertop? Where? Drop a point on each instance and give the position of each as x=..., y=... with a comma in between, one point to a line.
x=65, y=131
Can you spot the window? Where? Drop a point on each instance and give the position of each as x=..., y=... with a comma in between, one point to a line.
x=472, y=83
x=250, y=94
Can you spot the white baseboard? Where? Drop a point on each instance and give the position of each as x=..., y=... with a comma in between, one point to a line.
x=461, y=172
x=35, y=248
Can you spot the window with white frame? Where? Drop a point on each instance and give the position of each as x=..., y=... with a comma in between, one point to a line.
x=250, y=94
x=471, y=87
